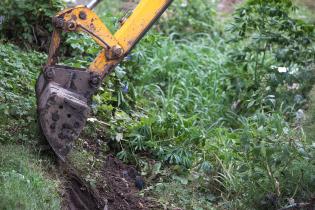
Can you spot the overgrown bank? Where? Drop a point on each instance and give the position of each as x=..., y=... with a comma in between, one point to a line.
x=212, y=117
x=25, y=182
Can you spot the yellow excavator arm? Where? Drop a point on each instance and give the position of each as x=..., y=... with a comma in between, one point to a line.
x=64, y=93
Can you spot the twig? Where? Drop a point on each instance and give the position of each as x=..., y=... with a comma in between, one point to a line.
x=93, y=4
x=272, y=178
x=92, y=120
x=34, y=34
x=296, y=206
x=309, y=205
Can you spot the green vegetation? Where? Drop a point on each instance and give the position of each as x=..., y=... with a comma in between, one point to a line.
x=220, y=106
x=19, y=71
x=28, y=22
x=212, y=114
x=23, y=183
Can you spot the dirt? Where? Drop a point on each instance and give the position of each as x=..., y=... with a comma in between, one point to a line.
x=78, y=195
x=116, y=189
x=227, y=6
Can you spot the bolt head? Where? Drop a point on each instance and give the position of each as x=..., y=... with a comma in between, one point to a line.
x=82, y=15
x=49, y=74
x=55, y=117
x=53, y=126
x=58, y=22
x=95, y=81
x=76, y=125
x=71, y=25
x=117, y=51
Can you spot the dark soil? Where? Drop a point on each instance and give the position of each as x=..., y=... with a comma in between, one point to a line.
x=116, y=191
x=78, y=195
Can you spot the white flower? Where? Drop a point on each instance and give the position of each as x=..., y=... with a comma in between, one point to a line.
x=299, y=115
x=184, y=3
x=282, y=69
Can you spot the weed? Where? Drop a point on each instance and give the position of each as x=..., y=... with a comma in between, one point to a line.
x=275, y=62
x=233, y=118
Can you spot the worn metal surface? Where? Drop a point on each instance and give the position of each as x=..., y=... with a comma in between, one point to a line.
x=63, y=95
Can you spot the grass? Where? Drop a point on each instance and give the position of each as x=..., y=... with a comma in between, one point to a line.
x=23, y=181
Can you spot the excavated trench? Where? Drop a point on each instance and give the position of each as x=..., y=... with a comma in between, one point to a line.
x=78, y=196
x=116, y=189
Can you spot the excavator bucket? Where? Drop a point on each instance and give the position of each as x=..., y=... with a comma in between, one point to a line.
x=63, y=96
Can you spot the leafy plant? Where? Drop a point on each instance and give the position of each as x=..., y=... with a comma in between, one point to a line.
x=28, y=22
x=220, y=115
x=18, y=74
x=273, y=57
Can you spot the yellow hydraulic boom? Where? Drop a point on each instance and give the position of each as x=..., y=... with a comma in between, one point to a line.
x=64, y=93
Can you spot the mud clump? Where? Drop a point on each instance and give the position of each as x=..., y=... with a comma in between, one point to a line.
x=117, y=189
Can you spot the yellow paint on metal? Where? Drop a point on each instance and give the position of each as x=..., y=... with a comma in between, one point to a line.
x=100, y=64
x=139, y=22
x=132, y=30
x=55, y=42
x=92, y=23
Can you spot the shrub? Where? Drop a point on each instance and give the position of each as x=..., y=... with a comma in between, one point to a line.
x=18, y=74
x=272, y=61
x=28, y=22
